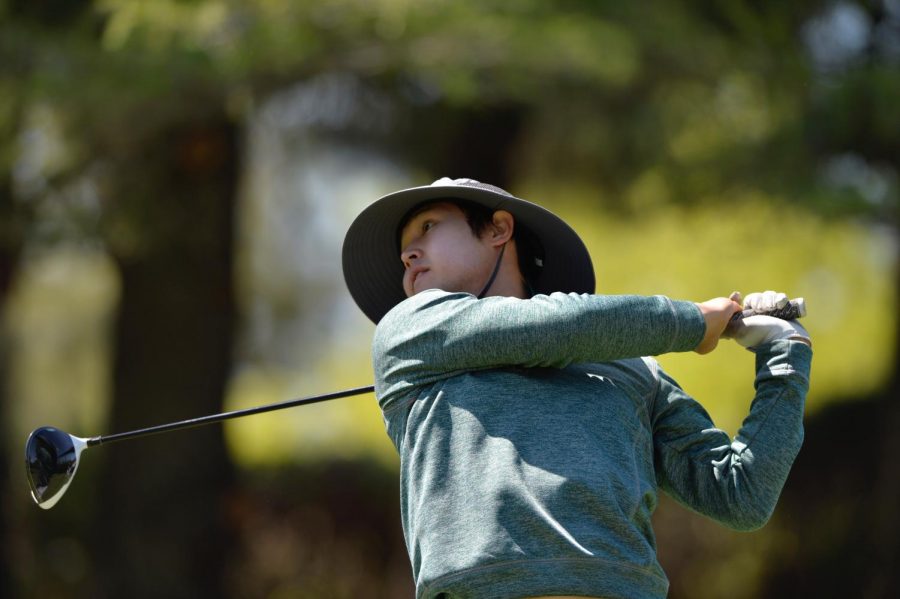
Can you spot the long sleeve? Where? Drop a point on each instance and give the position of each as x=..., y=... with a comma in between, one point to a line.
x=736, y=482
x=436, y=334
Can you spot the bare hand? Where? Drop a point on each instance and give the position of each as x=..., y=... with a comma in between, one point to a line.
x=717, y=312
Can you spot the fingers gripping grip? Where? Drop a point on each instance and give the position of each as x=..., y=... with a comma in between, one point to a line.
x=795, y=308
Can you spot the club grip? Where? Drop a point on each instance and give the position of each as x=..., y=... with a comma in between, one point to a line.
x=795, y=308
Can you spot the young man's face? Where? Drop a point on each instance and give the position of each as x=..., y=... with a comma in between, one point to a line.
x=440, y=251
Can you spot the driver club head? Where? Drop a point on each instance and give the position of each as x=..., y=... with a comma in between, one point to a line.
x=51, y=459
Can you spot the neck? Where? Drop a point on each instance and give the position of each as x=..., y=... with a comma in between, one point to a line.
x=508, y=281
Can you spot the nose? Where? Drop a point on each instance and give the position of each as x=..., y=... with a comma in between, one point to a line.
x=409, y=255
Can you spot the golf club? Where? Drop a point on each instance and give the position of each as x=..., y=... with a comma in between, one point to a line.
x=795, y=308
x=51, y=455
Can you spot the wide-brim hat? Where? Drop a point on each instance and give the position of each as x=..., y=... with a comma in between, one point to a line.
x=371, y=253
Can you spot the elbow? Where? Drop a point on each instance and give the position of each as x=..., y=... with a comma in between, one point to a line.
x=747, y=520
x=741, y=514
x=747, y=501
x=738, y=515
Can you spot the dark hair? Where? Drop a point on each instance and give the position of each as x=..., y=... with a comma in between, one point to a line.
x=528, y=247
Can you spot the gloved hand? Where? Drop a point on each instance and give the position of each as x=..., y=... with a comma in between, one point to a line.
x=753, y=331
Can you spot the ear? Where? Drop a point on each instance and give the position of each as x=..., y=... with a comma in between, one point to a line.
x=502, y=225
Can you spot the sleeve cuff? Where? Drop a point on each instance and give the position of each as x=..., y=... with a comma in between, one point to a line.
x=690, y=327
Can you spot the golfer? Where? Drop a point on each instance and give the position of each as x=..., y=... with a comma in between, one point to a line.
x=533, y=436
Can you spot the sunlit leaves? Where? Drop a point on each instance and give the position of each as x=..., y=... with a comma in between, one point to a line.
x=705, y=121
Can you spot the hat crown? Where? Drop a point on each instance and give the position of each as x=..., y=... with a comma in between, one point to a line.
x=447, y=181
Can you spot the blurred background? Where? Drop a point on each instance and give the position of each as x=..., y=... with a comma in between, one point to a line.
x=176, y=178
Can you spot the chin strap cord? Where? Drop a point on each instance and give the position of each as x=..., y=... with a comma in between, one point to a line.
x=493, y=274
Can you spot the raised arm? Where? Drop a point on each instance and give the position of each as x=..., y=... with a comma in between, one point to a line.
x=437, y=334
x=734, y=481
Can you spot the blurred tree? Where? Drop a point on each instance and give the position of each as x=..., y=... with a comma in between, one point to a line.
x=10, y=247
x=167, y=177
x=172, y=237
x=17, y=65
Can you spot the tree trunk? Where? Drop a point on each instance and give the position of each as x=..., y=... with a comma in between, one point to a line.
x=161, y=529
x=10, y=248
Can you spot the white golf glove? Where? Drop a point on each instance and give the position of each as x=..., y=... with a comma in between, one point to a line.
x=753, y=331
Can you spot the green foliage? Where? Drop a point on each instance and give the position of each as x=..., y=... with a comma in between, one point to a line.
x=714, y=95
